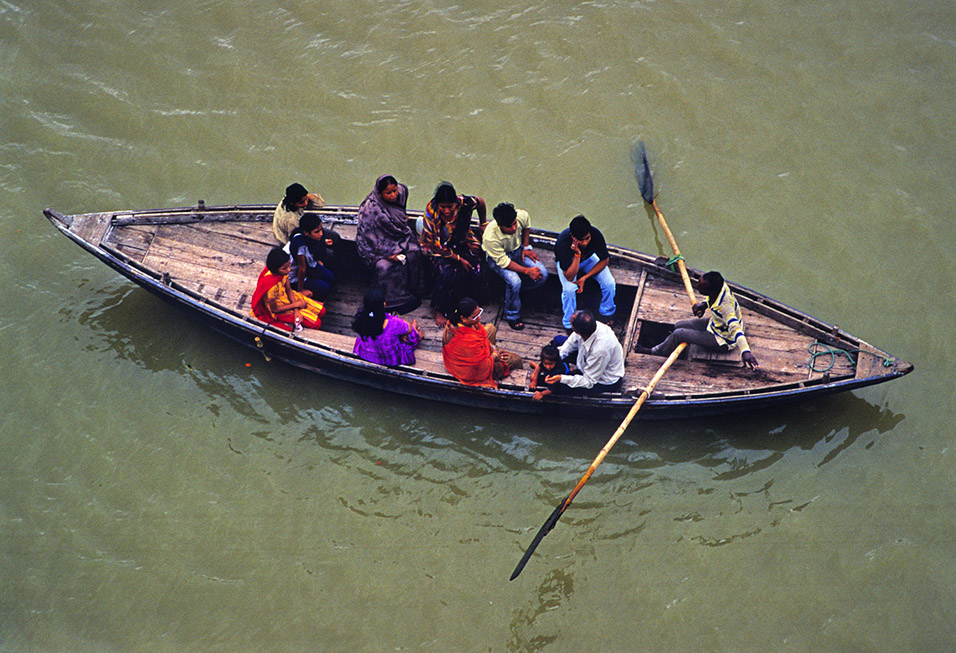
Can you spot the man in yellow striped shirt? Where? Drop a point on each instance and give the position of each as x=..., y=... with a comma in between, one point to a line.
x=723, y=331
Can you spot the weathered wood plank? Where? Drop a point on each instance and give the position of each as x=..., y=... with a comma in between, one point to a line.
x=192, y=275
x=91, y=227
x=132, y=241
x=194, y=241
x=255, y=232
x=194, y=255
x=663, y=304
x=630, y=331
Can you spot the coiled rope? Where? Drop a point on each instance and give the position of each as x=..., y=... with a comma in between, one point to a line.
x=818, y=349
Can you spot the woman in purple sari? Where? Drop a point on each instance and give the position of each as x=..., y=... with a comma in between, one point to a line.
x=382, y=338
x=386, y=242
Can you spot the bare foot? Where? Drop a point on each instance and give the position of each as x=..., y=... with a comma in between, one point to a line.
x=440, y=319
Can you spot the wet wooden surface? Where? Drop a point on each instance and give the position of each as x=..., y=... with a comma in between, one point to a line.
x=221, y=260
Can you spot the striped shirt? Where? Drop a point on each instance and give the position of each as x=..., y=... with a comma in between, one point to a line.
x=437, y=237
x=726, y=322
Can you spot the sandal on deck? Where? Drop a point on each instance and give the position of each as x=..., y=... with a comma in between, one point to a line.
x=517, y=324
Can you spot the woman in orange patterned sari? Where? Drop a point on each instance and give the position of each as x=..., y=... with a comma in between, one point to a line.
x=468, y=349
x=276, y=303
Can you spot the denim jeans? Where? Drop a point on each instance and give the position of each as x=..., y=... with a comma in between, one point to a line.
x=569, y=290
x=515, y=282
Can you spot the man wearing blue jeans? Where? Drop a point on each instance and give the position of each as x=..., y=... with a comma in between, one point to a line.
x=507, y=244
x=581, y=254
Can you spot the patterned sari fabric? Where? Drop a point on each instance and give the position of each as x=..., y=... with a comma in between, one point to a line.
x=394, y=346
x=383, y=231
x=274, y=287
x=383, y=228
x=467, y=356
x=441, y=241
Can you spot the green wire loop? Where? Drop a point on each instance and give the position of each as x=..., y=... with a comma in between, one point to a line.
x=671, y=262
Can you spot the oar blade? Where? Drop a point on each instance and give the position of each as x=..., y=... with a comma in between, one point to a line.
x=642, y=170
x=545, y=529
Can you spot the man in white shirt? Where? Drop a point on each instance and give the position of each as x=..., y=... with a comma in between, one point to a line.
x=600, y=360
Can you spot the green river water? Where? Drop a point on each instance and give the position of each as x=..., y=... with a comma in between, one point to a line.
x=158, y=494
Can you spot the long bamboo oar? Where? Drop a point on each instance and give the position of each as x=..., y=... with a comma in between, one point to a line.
x=644, y=179
x=553, y=519
x=646, y=182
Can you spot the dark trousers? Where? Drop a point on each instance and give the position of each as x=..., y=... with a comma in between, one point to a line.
x=693, y=332
x=453, y=283
x=319, y=280
x=596, y=389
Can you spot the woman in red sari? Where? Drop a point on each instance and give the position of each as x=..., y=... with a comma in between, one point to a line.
x=276, y=303
x=468, y=349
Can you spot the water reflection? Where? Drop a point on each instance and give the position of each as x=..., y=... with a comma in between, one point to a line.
x=553, y=592
x=709, y=482
x=397, y=433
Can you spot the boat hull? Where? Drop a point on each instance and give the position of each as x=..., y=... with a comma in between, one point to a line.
x=336, y=361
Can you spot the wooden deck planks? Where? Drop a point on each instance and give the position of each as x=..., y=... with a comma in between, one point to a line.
x=221, y=261
x=91, y=227
x=257, y=233
x=870, y=362
x=191, y=274
x=133, y=241
x=198, y=242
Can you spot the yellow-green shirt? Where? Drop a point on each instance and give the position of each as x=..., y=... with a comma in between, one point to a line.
x=285, y=222
x=726, y=322
x=498, y=245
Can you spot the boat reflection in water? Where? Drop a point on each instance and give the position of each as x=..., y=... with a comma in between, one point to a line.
x=206, y=261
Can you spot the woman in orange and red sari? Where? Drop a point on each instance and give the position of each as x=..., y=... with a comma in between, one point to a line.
x=469, y=351
x=275, y=303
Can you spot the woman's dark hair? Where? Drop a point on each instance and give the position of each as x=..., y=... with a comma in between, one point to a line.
x=444, y=194
x=309, y=222
x=385, y=182
x=369, y=322
x=276, y=258
x=293, y=195
x=465, y=308
x=550, y=353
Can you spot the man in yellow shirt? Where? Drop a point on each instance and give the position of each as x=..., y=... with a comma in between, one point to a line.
x=722, y=332
x=507, y=245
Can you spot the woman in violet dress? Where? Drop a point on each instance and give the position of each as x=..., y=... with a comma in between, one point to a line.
x=382, y=338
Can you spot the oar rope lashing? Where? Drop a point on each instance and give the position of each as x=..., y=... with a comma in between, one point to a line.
x=672, y=262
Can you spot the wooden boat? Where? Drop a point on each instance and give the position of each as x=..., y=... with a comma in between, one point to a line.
x=206, y=261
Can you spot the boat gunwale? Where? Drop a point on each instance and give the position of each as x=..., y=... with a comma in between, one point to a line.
x=659, y=404
x=752, y=298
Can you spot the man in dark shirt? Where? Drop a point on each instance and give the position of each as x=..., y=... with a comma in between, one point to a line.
x=581, y=254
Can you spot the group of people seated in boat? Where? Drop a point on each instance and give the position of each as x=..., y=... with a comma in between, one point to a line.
x=448, y=259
